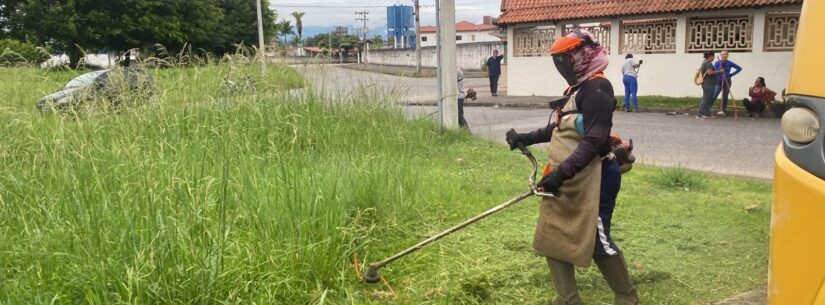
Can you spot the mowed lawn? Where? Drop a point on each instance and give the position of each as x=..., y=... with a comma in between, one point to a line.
x=207, y=195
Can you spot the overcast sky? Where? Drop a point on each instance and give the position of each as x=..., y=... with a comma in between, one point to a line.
x=324, y=14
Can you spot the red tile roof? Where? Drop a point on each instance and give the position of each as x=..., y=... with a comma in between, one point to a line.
x=524, y=11
x=461, y=26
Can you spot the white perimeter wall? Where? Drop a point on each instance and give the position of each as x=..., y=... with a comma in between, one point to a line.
x=469, y=56
x=466, y=37
x=661, y=74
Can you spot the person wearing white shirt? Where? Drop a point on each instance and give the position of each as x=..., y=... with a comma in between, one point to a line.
x=460, y=86
x=631, y=84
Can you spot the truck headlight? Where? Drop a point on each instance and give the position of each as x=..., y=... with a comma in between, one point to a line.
x=800, y=124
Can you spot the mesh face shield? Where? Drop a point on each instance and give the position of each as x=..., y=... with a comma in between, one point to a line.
x=564, y=64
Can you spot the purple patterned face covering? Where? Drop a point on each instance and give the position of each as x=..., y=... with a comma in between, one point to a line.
x=588, y=60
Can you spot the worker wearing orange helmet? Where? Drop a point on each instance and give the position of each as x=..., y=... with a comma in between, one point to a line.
x=574, y=226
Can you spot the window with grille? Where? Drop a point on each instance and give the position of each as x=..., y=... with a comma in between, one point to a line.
x=600, y=30
x=780, y=30
x=532, y=41
x=732, y=33
x=649, y=36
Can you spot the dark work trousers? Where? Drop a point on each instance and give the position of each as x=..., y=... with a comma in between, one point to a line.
x=611, y=183
x=756, y=107
x=723, y=86
x=494, y=83
x=461, y=121
x=707, y=98
x=778, y=109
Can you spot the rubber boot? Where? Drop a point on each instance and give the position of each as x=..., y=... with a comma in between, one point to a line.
x=614, y=270
x=564, y=279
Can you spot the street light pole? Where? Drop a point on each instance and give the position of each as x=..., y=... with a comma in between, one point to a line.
x=261, y=48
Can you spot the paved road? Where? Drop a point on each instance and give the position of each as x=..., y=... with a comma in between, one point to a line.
x=742, y=147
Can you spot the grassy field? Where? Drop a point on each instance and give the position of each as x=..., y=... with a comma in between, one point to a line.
x=208, y=196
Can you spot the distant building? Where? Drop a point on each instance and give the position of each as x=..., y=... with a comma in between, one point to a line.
x=465, y=32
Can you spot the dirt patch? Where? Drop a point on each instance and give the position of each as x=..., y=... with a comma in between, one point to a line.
x=757, y=296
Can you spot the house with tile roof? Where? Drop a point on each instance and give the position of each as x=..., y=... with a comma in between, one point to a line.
x=669, y=35
x=465, y=32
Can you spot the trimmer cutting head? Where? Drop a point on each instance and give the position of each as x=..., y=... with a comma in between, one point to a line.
x=372, y=275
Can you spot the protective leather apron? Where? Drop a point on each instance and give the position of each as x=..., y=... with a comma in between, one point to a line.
x=567, y=224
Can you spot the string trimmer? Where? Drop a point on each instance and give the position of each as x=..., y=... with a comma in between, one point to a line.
x=373, y=276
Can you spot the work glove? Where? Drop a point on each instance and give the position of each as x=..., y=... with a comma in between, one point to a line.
x=513, y=138
x=552, y=182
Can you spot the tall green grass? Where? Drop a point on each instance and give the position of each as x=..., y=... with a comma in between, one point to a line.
x=211, y=195
x=203, y=196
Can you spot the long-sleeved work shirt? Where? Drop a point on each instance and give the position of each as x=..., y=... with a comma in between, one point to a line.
x=596, y=103
x=729, y=65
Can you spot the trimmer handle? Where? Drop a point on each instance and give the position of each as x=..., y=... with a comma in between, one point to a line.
x=532, y=180
x=524, y=150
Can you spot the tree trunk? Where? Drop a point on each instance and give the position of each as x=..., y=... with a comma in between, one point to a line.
x=74, y=56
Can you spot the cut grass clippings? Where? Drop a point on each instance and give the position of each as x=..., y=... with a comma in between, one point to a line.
x=213, y=197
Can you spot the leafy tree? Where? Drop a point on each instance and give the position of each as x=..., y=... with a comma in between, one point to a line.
x=377, y=42
x=296, y=40
x=322, y=40
x=240, y=24
x=284, y=28
x=117, y=26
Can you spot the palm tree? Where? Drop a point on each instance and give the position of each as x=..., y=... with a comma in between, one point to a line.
x=298, y=24
x=284, y=28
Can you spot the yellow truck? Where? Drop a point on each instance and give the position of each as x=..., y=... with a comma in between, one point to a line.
x=797, y=247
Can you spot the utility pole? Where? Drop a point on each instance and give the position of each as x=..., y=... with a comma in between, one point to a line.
x=447, y=95
x=417, y=38
x=261, y=48
x=363, y=18
x=364, y=31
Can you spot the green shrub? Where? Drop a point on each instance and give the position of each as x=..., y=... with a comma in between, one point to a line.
x=15, y=53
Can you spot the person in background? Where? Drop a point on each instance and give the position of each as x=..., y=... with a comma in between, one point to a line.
x=760, y=96
x=724, y=80
x=460, y=93
x=709, y=83
x=631, y=85
x=494, y=71
x=778, y=107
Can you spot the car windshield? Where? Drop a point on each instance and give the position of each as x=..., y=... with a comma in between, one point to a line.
x=84, y=79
